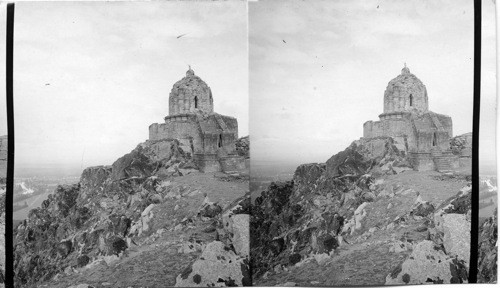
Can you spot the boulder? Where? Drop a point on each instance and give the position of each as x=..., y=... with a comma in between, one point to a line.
x=210, y=210
x=217, y=266
x=428, y=264
x=326, y=243
x=456, y=238
x=359, y=215
x=119, y=224
x=82, y=260
x=113, y=245
x=64, y=248
x=423, y=209
x=240, y=231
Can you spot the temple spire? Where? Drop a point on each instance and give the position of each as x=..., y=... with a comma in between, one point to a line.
x=190, y=72
x=405, y=70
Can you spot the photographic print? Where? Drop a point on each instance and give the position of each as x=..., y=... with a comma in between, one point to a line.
x=132, y=124
x=361, y=142
x=131, y=169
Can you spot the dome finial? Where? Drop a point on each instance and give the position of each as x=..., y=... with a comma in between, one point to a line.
x=190, y=72
x=405, y=70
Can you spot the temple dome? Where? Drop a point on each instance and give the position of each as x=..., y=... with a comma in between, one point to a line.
x=190, y=94
x=405, y=93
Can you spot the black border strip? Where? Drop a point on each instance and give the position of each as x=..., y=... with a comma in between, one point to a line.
x=9, y=253
x=475, y=145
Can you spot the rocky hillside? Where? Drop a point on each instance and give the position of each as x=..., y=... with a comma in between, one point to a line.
x=366, y=215
x=488, y=251
x=144, y=221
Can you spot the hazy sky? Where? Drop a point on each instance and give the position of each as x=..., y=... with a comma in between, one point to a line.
x=318, y=70
x=487, y=130
x=110, y=67
x=91, y=77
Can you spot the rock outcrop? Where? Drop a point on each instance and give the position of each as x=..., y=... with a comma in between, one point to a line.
x=377, y=155
x=362, y=210
x=306, y=217
x=444, y=258
x=224, y=262
x=488, y=250
x=218, y=266
x=80, y=223
x=428, y=264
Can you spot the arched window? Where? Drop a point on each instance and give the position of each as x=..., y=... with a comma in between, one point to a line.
x=220, y=141
x=434, y=139
x=411, y=100
x=195, y=101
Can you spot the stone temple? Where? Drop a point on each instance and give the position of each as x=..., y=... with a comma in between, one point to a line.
x=421, y=133
x=209, y=137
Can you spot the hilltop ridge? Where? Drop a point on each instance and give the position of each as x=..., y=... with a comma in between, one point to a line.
x=143, y=221
x=367, y=215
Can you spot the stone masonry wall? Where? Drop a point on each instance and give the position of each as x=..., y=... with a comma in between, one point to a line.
x=432, y=125
x=205, y=132
x=398, y=128
x=213, y=144
x=182, y=130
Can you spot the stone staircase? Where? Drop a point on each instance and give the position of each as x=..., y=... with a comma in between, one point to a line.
x=441, y=160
